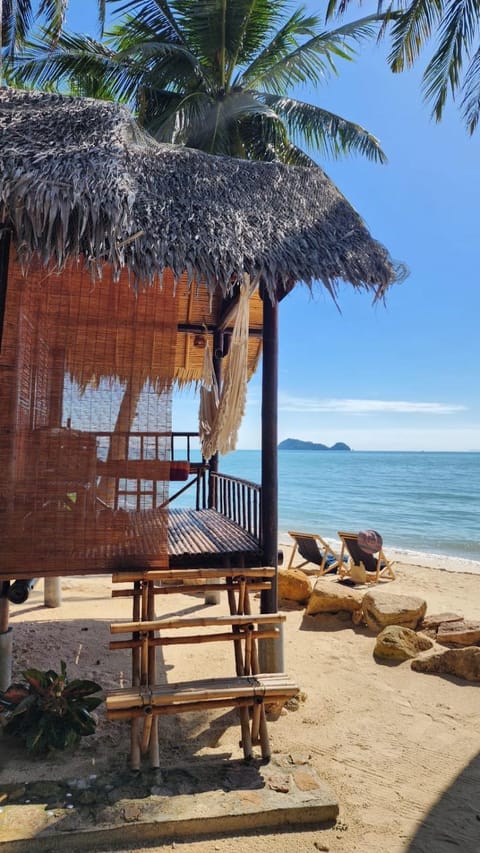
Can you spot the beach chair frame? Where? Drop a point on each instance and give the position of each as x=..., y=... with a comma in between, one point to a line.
x=312, y=553
x=362, y=567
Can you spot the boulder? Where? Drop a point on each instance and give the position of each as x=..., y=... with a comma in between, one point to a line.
x=381, y=608
x=461, y=633
x=294, y=585
x=329, y=596
x=396, y=642
x=463, y=663
x=433, y=620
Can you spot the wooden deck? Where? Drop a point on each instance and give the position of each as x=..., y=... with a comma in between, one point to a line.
x=203, y=537
x=196, y=538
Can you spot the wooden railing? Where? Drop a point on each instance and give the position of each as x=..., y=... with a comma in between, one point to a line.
x=238, y=500
x=232, y=497
x=143, y=492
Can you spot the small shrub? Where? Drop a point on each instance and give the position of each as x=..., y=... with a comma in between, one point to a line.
x=49, y=711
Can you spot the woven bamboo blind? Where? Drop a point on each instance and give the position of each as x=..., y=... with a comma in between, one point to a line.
x=86, y=375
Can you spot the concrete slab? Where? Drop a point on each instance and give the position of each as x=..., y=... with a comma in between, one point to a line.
x=202, y=798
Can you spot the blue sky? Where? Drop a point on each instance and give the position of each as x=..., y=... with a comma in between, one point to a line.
x=402, y=376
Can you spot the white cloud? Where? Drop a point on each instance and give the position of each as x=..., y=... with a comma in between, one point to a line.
x=306, y=405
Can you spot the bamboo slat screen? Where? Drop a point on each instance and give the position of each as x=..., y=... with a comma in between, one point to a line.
x=80, y=359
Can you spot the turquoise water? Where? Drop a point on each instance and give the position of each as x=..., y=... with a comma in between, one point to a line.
x=427, y=502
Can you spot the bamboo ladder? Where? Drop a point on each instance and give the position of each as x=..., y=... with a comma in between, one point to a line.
x=248, y=690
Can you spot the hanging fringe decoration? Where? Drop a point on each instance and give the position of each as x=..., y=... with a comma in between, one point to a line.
x=208, y=405
x=220, y=421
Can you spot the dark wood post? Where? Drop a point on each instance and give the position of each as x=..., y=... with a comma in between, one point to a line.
x=271, y=651
x=269, y=499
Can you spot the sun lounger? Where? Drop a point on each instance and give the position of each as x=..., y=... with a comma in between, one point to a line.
x=362, y=566
x=314, y=550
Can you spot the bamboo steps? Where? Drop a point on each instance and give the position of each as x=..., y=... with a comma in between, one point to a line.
x=249, y=690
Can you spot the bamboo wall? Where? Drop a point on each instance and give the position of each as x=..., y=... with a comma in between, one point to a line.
x=79, y=357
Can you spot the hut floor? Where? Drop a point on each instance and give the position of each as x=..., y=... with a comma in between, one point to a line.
x=198, y=537
x=177, y=537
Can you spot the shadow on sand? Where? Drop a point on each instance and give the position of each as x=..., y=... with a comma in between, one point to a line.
x=453, y=823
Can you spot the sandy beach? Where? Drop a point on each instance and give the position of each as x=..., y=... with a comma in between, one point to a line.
x=398, y=748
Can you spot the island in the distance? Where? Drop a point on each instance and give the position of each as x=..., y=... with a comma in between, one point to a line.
x=296, y=444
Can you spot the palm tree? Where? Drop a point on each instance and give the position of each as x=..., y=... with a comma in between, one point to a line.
x=216, y=75
x=455, y=64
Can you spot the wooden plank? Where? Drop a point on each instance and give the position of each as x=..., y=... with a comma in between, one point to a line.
x=135, y=714
x=225, y=572
x=189, y=589
x=195, y=639
x=197, y=621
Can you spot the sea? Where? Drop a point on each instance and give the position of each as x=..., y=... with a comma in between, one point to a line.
x=419, y=502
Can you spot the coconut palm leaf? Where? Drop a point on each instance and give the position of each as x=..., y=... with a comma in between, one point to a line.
x=471, y=98
x=74, y=58
x=18, y=16
x=310, y=61
x=412, y=30
x=458, y=29
x=17, y=19
x=332, y=135
x=455, y=25
x=229, y=32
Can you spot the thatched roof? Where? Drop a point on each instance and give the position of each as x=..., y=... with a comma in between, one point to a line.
x=78, y=177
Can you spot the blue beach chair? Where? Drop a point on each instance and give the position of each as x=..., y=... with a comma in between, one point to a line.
x=314, y=550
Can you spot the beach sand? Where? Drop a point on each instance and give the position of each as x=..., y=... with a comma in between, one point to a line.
x=400, y=749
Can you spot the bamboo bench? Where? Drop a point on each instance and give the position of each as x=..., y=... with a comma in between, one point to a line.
x=256, y=692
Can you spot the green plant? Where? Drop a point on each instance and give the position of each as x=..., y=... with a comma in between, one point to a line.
x=49, y=711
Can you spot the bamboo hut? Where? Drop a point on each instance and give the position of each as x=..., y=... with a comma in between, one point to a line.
x=127, y=268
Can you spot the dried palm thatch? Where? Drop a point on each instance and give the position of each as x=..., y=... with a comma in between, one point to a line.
x=78, y=177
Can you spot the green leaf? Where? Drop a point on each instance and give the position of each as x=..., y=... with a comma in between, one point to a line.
x=78, y=688
x=325, y=131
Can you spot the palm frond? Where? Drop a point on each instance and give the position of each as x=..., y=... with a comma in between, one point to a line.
x=294, y=156
x=75, y=58
x=154, y=14
x=338, y=7
x=411, y=30
x=264, y=137
x=152, y=27
x=16, y=22
x=282, y=43
x=216, y=123
x=54, y=12
x=166, y=114
x=315, y=59
x=471, y=94
x=460, y=25
x=269, y=142
x=332, y=135
x=225, y=32
x=162, y=62
x=249, y=25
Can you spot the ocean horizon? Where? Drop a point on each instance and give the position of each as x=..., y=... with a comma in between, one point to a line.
x=425, y=502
